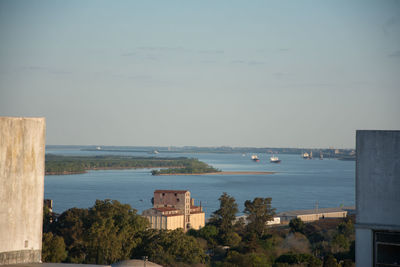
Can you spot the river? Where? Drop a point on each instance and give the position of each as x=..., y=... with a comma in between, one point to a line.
x=298, y=183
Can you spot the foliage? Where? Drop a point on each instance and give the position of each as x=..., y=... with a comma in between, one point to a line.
x=191, y=166
x=330, y=261
x=169, y=247
x=48, y=218
x=53, y=248
x=110, y=231
x=224, y=217
x=250, y=259
x=296, y=225
x=259, y=212
x=310, y=260
x=56, y=164
x=106, y=233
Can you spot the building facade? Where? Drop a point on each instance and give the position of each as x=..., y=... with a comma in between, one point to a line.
x=378, y=198
x=315, y=214
x=22, y=149
x=174, y=209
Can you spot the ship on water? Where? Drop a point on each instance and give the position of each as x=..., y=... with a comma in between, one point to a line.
x=255, y=158
x=307, y=155
x=274, y=159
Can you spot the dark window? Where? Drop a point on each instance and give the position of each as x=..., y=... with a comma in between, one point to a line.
x=386, y=248
x=177, y=199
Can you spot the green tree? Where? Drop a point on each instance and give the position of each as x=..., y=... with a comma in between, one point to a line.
x=71, y=225
x=296, y=225
x=106, y=233
x=170, y=247
x=224, y=217
x=53, y=248
x=330, y=261
x=113, y=231
x=259, y=212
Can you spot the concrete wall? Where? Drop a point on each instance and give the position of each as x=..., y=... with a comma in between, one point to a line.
x=377, y=188
x=378, y=177
x=22, y=149
x=197, y=220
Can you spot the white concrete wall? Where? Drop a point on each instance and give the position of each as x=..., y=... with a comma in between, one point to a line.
x=364, y=247
x=22, y=150
x=377, y=189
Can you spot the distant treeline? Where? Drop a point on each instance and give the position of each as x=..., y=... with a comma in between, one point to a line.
x=193, y=166
x=57, y=164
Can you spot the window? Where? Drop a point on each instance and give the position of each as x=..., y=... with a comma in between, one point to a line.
x=386, y=248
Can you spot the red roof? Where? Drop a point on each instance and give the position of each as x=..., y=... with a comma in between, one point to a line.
x=171, y=191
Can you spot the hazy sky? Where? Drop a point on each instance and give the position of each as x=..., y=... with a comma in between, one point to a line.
x=206, y=73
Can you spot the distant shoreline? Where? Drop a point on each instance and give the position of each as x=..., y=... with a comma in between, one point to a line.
x=221, y=173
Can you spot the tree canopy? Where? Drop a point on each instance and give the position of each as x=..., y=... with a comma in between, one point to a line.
x=259, y=212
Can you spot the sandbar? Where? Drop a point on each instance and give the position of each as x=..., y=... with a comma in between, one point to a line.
x=222, y=173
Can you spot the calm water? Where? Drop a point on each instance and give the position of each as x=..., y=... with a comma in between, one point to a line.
x=299, y=183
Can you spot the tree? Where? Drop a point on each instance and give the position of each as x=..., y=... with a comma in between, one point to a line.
x=71, y=225
x=53, y=248
x=259, y=212
x=106, y=233
x=296, y=225
x=330, y=261
x=113, y=231
x=224, y=217
x=169, y=247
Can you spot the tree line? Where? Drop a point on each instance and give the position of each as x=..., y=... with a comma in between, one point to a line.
x=57, y=164
x=110, y=231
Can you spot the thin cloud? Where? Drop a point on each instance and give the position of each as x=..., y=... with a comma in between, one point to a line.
x=248, y=62
x=50, y=70
x=390, y=24
x=211, y=51
x=162, y=48
x=395, y=54
x=128, y=54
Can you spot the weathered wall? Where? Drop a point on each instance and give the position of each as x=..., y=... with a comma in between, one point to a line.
x=378, y=177
x=22, y=149
x=377, y=188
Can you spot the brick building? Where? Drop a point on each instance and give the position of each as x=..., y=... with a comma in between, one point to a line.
x=174, y=209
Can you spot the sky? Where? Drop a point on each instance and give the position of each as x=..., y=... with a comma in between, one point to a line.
x=202, y=73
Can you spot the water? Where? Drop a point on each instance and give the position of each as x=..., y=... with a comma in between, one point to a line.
x=298, y=183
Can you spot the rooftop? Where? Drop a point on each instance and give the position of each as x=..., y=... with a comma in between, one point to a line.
x=315, y=211
x=172, y=191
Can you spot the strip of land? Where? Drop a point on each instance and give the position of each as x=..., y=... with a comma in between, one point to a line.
x=63, y=165
x=222, y=173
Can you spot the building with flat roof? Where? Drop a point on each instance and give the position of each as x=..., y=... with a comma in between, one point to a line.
x=315, y=214
x=174, y=209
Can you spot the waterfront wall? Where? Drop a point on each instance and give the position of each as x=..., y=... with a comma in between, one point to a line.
x=377, y=193
x=22, y=150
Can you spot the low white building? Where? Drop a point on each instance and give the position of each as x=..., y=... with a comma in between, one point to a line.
x=275, y=220
x=315, y=214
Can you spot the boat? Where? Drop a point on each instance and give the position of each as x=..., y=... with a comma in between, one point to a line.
x=255, y=158
x=307, y=156
x=274, y=159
